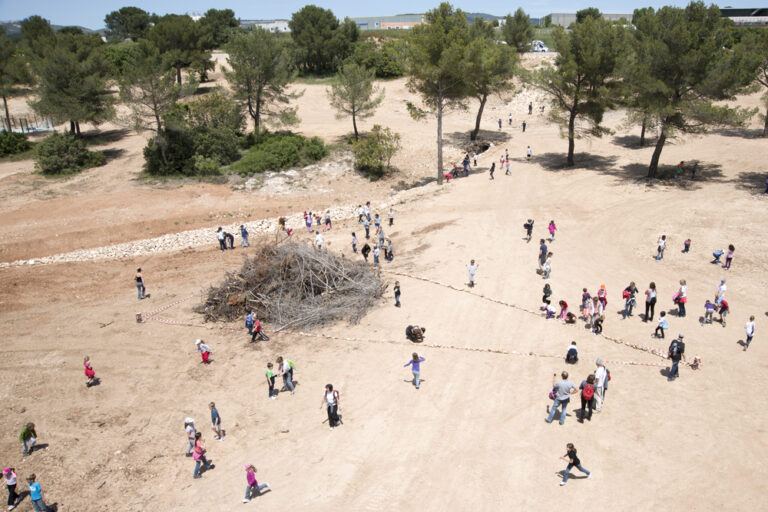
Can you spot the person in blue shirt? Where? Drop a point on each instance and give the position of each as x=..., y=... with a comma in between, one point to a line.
x=249, y=323
x=415, y=368
x=244, y=234
x=542, y=253
x=36, y=494
x=216, y=422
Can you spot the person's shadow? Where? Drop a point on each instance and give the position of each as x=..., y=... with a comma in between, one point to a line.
x=665, y=372
x=742, y=343
x=96, y=382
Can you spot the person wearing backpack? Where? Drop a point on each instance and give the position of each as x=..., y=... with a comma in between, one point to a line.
x=563, y=389
x=587, y=388
x=332, y=405
x=286, y=367
x=676, y=352
x=601, y=377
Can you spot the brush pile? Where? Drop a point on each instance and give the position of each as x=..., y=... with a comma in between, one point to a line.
x=293, y=284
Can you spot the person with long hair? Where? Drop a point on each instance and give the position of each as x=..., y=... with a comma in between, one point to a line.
x=199, y=456
x=650, y=301
x=573, y=460
x=332, y=405
x=587, y=388
x=415, y=363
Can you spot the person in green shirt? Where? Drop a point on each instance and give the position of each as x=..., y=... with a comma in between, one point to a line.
x=28, y=438
x=271, y=381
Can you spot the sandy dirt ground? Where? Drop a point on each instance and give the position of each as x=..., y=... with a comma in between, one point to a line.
x=473, y=437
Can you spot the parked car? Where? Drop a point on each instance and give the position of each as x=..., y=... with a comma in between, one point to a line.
x=538, y=46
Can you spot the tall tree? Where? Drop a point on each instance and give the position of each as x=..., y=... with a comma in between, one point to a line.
x=37, y=36
x=217, y=25
x=589, y=12
x=490, y=70
x=322, y=42
x=682, y=52
x=518, y=31
x=127, y=23
x=438, y=71
x=752, y=55
x=13, y=72
x=148, y=87
x=262, y=70
x=581, y=86
x=180, y=41
x=353, y=93
x=72, y=80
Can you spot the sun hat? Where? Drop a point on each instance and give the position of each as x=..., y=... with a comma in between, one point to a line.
x=6, y=471
x=247, y=467
x=188, y=420
x=680, y=335
x=198, y=341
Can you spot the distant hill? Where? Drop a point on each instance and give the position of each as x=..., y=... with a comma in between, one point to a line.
x=13, y=28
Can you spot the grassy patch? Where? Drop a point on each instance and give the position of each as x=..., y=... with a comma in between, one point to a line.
x=277, y=151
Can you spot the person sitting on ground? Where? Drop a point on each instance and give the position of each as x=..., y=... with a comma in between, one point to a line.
x=570, y=318
x=551, y=311
x=415, y=333
x=573, y=354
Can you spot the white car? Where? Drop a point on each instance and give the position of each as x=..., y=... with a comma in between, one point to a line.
x=538, y=46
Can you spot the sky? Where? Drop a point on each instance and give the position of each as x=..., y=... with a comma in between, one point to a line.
x=90, y=13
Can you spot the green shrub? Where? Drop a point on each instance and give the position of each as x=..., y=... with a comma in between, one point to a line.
x=276, y=151
x=374, y=151
x=179, y=149
x=13, y=143
x=206, y=166
x=61, y=153
x=220, y=144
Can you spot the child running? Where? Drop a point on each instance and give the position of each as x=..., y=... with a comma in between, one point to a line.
x=573, y=460
x=253, y=485
x=205, y=351
x=90, y=375
x=415, y=363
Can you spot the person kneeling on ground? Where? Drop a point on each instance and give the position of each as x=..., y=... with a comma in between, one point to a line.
x=573, y=354
x=415, y=333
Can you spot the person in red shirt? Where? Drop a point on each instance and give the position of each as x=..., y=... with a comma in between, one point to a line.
x=257, y=331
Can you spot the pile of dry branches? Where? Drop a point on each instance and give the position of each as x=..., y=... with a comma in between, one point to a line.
x=294, y=285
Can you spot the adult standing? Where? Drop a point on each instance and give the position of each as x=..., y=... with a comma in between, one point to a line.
x=189, y=428
x=573, y=460
x=676, y=352
x=682, y=298
x=650, y=301
x=524, y=125
x=286, y=370
x=601, y=376
x=140, y=283
x=629, y=298
x=493, y=168
x=563, y=390
x=542, y=253
x=332, y=404
x=472, y=270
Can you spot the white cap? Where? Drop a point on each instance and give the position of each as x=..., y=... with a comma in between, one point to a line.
x=188, y=420
x=197, y=342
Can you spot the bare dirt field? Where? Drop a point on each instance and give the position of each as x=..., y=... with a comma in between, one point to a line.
x=474, y=436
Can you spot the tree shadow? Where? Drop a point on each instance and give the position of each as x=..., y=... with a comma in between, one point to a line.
x=461, y=139
x=584, y=161
x=98, y=138
x=112, y=154
x=414, y=183
x=741, y=133
x=631, y=142
x=752, y=182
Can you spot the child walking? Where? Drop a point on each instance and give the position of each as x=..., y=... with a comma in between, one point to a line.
x=573, y=460
x=271, y=382
x=750, y=332
x=661, y=244
x=472, y=270
x=354, y=242
x=415, y=363
x=205, y=350
x=552, y=228
x=332, y=405
x=218, y=432
x=140, y=284
x=9, y=474
x=199, y=456
x=392, y=212
x=729, y=257
x=397, y=294
x=253, y=485
x=36, y=494
x=662, y=326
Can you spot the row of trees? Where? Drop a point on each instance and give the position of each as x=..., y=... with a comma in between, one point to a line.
x=672, y=70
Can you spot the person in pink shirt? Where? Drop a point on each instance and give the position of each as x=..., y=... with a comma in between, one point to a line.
x=552, y=229
x=253, y=484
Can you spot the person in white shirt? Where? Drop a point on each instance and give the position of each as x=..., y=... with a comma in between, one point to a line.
x=750, y=331
x=547, y=266
x=528, y=153
x=720, y=294
x=601, y=374
x=662, y=243
x=318, y=240
x=189, y=427
x=472, y=269
x=360, y=213
x=682, y=298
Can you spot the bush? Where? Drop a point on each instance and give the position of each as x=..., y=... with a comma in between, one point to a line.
x=276, y=151
x=13, y=143
x=61, y=153
x=220, y=144
x=179, y=150
x=374, y=151
x=206, y=166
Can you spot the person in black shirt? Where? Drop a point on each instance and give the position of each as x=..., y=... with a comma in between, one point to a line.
x=676, y=352
x=415, y=333
x=140, y=284
x=365, y=251
x=397, y=294
x=573, y=460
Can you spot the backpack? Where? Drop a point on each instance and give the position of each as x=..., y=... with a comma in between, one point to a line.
x=290, y=363
x=626, y=294
x=588, y=392
x=674, y=350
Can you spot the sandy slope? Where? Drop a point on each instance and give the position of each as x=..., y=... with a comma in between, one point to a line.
x=473, y=437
